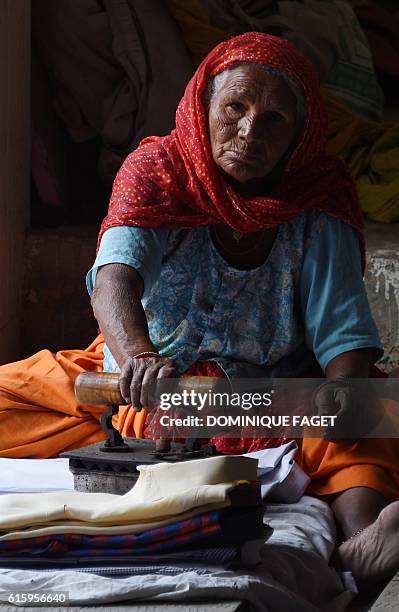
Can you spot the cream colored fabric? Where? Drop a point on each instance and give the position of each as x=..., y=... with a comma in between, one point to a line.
x=163, y=492
x=100, y=529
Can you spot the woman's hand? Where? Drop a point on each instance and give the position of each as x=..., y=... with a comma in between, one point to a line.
x=353, y=403
x=137, y=373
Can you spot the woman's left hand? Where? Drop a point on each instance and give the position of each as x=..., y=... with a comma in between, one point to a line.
x=353, y=402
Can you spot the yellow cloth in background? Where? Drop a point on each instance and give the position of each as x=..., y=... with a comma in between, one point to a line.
x=371, y=149
x=199, y=36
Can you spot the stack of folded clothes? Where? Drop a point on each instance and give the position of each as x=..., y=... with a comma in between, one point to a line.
x=178, y=517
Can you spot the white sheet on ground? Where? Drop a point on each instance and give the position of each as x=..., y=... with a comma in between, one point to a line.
x=35, y=475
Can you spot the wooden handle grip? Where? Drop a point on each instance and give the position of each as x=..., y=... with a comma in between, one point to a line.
x=102, y=388
x=98, y=389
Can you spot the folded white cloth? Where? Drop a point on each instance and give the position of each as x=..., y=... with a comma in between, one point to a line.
x=281, y=477
x=307, y=525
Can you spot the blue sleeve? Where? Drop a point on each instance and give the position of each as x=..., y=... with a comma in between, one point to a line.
x=140, y=248
x=334, y=302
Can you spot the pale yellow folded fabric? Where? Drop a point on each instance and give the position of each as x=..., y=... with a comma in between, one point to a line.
x=103, y=529
x=163, y=493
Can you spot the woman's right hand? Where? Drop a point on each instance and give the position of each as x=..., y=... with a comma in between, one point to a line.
x=137, y=373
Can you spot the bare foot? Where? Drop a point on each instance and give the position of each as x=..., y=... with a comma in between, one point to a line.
x=373, y=554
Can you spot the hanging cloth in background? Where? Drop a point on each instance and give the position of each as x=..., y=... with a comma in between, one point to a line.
x=327, y=32
x=117, y=69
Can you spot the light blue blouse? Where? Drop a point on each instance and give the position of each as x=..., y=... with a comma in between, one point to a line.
x=306, y=300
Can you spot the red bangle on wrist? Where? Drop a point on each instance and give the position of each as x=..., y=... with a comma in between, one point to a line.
x=146, y=354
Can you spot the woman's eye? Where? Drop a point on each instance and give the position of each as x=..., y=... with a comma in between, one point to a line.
x=235, y=107
x=275, y=117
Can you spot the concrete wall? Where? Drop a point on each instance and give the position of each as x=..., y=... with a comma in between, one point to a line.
x=382, y=283
x=14, y=165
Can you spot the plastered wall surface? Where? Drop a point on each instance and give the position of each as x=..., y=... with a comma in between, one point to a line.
x=382, y=283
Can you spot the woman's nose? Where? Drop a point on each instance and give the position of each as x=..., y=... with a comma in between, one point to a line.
x=249, y=130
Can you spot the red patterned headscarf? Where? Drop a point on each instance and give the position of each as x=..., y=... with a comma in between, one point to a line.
x=173, y=181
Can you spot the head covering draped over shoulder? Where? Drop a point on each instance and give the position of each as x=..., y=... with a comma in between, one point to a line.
x=172, y=181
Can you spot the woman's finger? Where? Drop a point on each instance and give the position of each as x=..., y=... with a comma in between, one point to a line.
x=150, y=375
x=168, y=370
x=125, y=380
x=135, y=385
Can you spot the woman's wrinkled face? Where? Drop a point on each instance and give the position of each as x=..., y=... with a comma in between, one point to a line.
x=252, y=121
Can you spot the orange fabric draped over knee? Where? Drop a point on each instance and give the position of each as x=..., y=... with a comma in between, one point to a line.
x=335, y=467
x=370, y=462
x=39, y=414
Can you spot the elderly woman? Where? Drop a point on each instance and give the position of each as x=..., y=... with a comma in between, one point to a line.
x=234, y=247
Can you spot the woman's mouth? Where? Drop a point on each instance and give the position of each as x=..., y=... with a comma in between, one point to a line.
x=243, y=157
